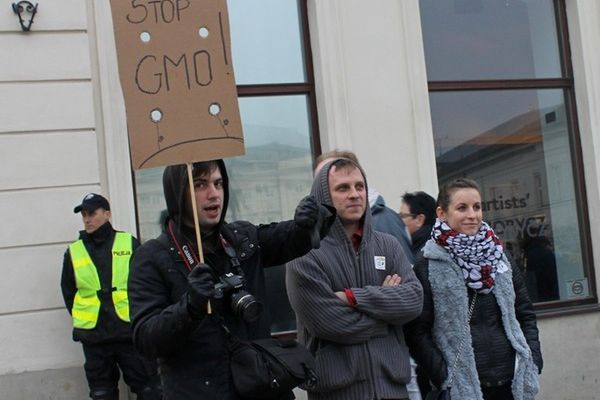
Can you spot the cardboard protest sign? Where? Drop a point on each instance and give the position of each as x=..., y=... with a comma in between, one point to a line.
x=177, y=77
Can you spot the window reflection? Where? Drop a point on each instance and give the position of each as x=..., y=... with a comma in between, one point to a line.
x=489, y=39
x=266, y=41
x=266, y=184
x=269, y=181
x=516, y=145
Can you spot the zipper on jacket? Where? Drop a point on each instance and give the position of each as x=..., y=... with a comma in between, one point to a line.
x=372, y=373
x=359, y=280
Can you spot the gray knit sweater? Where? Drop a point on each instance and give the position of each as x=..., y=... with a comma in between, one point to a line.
x=360, y=351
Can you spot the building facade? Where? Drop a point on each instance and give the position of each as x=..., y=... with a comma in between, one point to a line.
x=372, y=77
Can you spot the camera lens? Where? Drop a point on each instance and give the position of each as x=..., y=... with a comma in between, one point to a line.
x=246, y=306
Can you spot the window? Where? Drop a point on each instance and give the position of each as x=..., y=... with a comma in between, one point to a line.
x=501, y=96
x=278, y=110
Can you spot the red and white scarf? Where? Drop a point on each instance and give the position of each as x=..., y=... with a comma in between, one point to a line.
x=479, y=255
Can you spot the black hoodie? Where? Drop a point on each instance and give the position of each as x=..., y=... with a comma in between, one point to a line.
x=192, y=354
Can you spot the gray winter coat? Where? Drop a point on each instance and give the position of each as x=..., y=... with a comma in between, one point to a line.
x=360, y=351
x=450, y=315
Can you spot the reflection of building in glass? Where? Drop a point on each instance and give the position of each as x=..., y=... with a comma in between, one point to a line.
x=523, y=167
x=268, y=182
x=151, y=201
x=266, y=186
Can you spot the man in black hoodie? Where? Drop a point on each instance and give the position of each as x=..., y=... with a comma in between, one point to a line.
x=94, y=288
x=169, y=288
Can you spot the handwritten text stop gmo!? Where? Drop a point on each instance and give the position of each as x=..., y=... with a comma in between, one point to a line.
x=158, y=72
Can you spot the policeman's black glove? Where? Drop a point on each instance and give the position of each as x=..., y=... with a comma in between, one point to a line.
x=201, y=289
x=314, y=217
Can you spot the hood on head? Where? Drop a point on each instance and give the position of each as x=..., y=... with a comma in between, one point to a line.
x=320, y=189
x=375, y=198
x=175, y=185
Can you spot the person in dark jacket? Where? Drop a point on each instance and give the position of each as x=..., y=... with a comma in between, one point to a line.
x=94, y=288
x=170, y=289
x=417, y=211
x=494, y=353
x=352, y=296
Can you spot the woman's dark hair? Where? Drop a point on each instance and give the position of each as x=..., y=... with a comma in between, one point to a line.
x=443, y=200
x=421, y=203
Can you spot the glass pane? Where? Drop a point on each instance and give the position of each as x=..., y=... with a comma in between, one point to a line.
x=489, y=39
x=265, y=185
x=269, y=181
x=266, y=41
x=516, y=145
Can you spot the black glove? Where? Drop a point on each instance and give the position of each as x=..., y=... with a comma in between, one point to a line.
x=307, y=213
x=316, y=218
x=201, y=289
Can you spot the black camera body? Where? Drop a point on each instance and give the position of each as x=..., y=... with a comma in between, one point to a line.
x=243, y=304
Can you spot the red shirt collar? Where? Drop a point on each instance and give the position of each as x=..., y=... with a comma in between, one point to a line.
x=357, y=238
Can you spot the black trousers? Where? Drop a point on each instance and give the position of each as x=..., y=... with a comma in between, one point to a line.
x=497, y=392
x=102, y=364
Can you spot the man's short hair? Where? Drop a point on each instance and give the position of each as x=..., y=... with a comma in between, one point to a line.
x=345, y=163
x=421, y=203
x=337, y=154
x=203, y=168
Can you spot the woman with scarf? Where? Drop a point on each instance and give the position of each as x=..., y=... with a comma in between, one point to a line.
x=477, y=335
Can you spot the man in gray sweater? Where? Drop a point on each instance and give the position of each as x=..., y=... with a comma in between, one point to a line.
x=353, y=295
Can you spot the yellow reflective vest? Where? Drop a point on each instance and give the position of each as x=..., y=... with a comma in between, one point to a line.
x=86, y=305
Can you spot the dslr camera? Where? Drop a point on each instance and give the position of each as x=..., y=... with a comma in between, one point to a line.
x=241, y=302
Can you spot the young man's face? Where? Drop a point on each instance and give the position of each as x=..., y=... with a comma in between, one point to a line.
x=209, y=199
x=92, y=220
x=348, y=193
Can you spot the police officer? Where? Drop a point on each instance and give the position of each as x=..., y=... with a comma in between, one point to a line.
x=94, y=287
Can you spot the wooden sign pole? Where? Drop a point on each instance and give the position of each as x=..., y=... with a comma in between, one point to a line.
x=195, y=212
x=196, y=222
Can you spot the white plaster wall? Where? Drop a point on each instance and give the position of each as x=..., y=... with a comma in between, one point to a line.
x=48, y=160
x=570, y=347
x=584, y=32
x=372, y=90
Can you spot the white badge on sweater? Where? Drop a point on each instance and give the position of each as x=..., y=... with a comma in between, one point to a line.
x=380, y=262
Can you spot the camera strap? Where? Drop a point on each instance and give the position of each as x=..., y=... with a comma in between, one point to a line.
x=186, y=252
x=230, y=251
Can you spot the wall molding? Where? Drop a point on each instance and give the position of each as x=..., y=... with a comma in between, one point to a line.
x=113, y=142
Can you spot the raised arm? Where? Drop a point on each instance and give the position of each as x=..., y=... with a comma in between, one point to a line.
x=284, y=241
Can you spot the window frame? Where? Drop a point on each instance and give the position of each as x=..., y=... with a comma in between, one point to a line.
x=297, y=88
x=567, y=84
